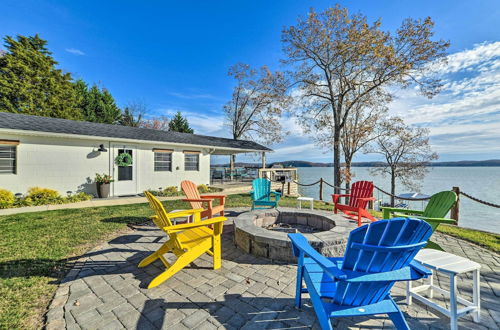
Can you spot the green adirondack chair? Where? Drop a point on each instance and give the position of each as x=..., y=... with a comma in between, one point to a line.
x=434, y=214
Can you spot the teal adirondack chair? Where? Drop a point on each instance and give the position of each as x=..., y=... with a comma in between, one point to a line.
x=262, y=195
x=437, y=208
x=377, y=255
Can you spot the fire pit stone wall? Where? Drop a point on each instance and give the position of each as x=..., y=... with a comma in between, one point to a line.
x=252, y=236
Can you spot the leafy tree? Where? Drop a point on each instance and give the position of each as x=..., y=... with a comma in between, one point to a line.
x=97, y=105
x=31, y=84
x=179, y=124
x=256, y=106
x=338, y=60
x=406, y=151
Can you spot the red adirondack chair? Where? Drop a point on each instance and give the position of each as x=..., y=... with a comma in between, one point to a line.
x=361, y=194
x=197, y=201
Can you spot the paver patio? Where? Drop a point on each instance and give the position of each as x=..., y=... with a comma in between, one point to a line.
x=105, y=290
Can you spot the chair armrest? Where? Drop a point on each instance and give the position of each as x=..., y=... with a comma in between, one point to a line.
x=388, y=210
x=182, y=227
x=208, y=197
x=335, y=197
x=440, y=220
x=184, y=213
x=277, y=194
x=412, y=272
x=367, y=199
x=213, y=196
x=195, y=200
x=301, y=247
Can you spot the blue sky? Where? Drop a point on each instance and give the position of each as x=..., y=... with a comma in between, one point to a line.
x=175, y=55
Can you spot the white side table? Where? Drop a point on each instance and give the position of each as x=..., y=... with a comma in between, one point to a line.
x=452, y=266
x=309, y=199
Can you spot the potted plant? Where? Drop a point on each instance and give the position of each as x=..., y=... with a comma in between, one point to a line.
x=103, y=183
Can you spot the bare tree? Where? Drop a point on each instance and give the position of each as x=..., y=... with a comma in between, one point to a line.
x=256, y=106
x=360, y=129
x=133, y=113
x=159, y=123
x=338, y=60
x=406, y=151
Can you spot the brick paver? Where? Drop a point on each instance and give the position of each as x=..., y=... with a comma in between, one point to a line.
x=106, y=290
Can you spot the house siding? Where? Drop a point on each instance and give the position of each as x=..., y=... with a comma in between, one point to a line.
x=69, y=164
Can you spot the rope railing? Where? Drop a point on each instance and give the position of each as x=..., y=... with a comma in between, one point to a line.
x=402, y=198
x=479, y=200
x=321, y=181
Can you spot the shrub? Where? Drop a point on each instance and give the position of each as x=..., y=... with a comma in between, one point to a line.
x=170, y=191
x=78, y=197
x=7, y=199
x=43, y=196
x=203, y=188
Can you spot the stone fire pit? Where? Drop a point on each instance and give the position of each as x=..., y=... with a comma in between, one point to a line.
x=326, y=232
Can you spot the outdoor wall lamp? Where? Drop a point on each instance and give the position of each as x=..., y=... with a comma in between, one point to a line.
x=102, y=149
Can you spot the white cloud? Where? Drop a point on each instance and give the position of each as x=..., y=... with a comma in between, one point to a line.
x=465, y=117
x=75, y=51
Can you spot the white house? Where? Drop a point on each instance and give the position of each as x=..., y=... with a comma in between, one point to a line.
x=65, y=155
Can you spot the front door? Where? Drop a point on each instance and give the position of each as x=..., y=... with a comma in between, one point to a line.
x=125, y=176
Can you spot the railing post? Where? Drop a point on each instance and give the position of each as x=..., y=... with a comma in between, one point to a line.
x=288, y=187
x=321, y=189
x=455, y=210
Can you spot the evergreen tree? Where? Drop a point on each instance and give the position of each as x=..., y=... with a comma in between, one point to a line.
x=179, y=124
x=97, y=105
x=31, y=84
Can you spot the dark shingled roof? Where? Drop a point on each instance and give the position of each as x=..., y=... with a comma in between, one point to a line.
x=65, y=126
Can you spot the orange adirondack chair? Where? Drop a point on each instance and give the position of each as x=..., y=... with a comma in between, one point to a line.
x=196, y=201
x=361, y=194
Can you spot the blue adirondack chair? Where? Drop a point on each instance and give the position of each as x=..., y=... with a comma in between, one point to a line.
x=377, y=255
x=262, y=195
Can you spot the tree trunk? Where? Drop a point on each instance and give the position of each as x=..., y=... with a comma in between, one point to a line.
x=232, y=160
x=336, y=161
x=393, y=187
x=347, y=179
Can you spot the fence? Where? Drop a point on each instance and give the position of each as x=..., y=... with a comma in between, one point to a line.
x=454, y=212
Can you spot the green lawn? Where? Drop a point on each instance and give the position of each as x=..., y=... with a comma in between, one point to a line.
x=36, y=246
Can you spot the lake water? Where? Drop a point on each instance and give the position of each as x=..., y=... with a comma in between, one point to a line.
x=480, y=182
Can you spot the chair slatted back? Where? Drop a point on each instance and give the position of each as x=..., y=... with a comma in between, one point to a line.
x=191, y=191
x=372, y=249
x=261, y=188
x=440, y=204
x=360, y=189
x=162, y=219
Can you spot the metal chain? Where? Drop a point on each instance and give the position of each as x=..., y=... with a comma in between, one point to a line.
x=479, y=200
x=306, y=185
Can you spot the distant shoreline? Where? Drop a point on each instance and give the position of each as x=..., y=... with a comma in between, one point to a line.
x=301, y=163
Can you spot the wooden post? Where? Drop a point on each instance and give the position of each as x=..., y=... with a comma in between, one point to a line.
x=455, y=210
x=288, y=188
x=263, y=159
x=321, y=189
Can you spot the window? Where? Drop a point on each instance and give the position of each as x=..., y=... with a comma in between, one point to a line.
x=191, y=161
x=163, y=161
x=8, y=157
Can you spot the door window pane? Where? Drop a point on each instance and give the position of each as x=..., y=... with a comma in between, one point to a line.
x=125, y=173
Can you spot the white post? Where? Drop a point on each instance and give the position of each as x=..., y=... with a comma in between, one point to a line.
x=408, y=293
x=453, y=302
x=263, y=159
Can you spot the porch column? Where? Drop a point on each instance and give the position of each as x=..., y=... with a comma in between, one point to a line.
x=263, y=159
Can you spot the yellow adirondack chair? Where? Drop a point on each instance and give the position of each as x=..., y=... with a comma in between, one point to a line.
x=187, y=241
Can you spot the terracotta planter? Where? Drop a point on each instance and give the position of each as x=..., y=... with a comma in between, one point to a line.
x=103, y=190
